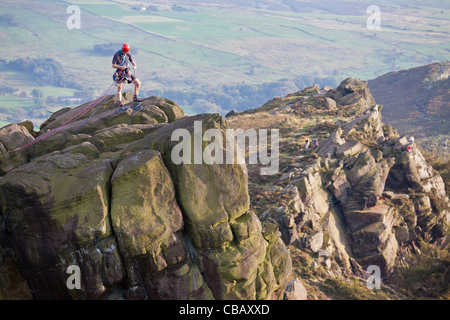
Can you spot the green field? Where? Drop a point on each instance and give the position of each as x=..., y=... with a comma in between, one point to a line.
x=13, y=102
x=216, y=46
x=54, y=91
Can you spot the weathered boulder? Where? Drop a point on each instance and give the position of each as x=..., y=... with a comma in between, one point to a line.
x=330, y=145
x=339, y=188
x=86, y=148
x=13, y=136
x=348, y=149
x=377, y=242
x=350, y=85
x=111, y=201
x=56, y=210
x=354, y=92
x=146, y=220
x=362, y=166
x=412, y=171
x=316, y=241
x=170, y=108
x=348, y=99
x=67, y=133
x=330, y=104
x=13, y=286
x=82, y=112
x=197, y=184
x=27, y=124
x=402, y=234
x=385, y=258
x=369, y=124
x=286, y=216
x=56, y=142
x=214, y=200
x=118, y=137
x=368, y=186
x=313, y=196
x=356, y=220
x=295, y=290
x=107, y=140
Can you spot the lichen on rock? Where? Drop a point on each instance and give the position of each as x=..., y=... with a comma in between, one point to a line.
x=111, y=201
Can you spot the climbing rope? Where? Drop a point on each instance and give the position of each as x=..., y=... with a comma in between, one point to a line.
x=148, y=92
x=85, y=110
x=97, y=104
x=136, y=111
x=82, y=125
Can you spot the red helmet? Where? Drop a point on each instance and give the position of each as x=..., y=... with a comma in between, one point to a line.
x=126, y=47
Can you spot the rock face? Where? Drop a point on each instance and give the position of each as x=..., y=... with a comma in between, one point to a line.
x=146, y=220
x=362, y=195
x=12, y=137
x=111, y=201
x=62, y=222
x=226, y=238
x=365, y=162
x=416, y=101
x=295, y=291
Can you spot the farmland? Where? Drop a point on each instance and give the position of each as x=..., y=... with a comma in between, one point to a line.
x=218, y=57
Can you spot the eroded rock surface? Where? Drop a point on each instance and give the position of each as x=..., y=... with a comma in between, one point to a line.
x=110, y=200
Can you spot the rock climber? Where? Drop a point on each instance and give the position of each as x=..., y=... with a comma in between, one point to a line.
x=316, y=143
x=409, y=148
x=120, y=63
x=306, y=144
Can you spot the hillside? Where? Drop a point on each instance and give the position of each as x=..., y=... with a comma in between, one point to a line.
x=417, y=102
x=357, y=199
x=112, y=200
x=209, y=56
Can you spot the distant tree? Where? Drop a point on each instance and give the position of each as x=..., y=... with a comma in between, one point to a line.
x=108, y=49
x=8, y=20
x=38, y=97
x=51, y=100
x=45, y=71
x=37, y=93
x=178, y=8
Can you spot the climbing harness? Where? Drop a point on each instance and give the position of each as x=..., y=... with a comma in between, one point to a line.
x=125, y=73
x=93, y=113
